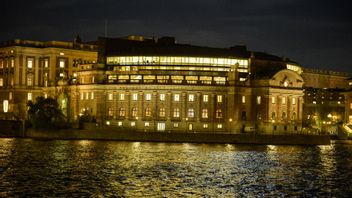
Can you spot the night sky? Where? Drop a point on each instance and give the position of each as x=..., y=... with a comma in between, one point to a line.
x=315, y=33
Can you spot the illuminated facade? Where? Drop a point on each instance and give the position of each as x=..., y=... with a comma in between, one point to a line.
x=144, y=84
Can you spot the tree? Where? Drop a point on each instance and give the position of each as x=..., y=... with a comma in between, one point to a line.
x=45, y=114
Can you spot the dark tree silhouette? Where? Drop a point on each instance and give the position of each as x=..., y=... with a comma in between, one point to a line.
x=45, y=114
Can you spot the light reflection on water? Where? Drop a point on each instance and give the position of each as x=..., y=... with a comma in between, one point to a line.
x=141, y=169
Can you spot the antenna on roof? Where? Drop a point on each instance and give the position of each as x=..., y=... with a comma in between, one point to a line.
x=106, y=28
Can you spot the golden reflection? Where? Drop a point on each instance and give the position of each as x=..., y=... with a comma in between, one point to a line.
x=6, y=145
x=84, y=143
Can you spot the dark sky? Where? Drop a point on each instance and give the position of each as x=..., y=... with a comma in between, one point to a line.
x=315, y=33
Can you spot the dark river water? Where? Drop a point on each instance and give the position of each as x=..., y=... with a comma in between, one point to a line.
x=38, y=168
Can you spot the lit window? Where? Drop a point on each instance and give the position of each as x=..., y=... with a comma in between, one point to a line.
x=122, y=97
x=219, y=126
x=293, y=101
x=110, y=96
x=29, y=80
x=45, y=95
x=243, y=99
x=1, y=82
x=218, y=113
x=93, y=79
x=219, y=98
x=161, y=126
x=148, y=112
x=12, y=62
x=5, y=105
x=177, y=97
x=190, y=127
x=87, y=95
x=273, y=100
x=162, y=112
x=29, y=96
x=62, y=63
x=351, y=105
x=176, y=113
x=82, y=96
x=133, y=124
x=110, y=112
x=314, y=102
x=10, y=95
x=162, y=97
x=61, y=53
x=46, y=63
x=259, y=100
x=119, y=123
x=191, y=113
x=285, y=84
x=205, y=126
x=134, y=96
x=30, y=63
x=205, y=98
x=175, y=125
x=146, y=124
x=205, y=113
x=61, y=75
x=148, y=97
x=134, y=112
x=283, y=100
x=190, y=97
x=122, y=112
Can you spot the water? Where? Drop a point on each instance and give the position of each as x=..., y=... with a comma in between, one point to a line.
x=37, y=168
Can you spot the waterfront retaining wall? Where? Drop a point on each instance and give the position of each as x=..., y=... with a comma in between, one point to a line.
x=102, y=134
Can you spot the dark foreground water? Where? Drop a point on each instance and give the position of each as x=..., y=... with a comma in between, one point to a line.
x=34, y=168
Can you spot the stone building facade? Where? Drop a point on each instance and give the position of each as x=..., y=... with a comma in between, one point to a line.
x=142, y=84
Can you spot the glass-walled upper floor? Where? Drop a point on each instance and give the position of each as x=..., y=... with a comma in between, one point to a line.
x=175, y=60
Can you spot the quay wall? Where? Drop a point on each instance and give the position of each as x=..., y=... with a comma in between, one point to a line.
x=105, y=134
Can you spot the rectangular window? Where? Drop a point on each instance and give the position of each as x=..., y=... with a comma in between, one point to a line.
x=10, y=95
x=46, y=63
x=243, y=99
x=148, y=97
x=283, y=100
x=259, y=100
x=219, y=98
x=30, y=63
x=110, y=112
x=134, y=96
x=176, y=113
x=12, y=62
x=119, y=123
x=162, y=112
x=122, y=112
x=162, y=97
x=110, y=96
x=122, y=97
x=205, y=113
x=177, y=97
x=191, y=113
x=273, y=99
x=219, y=126
x=133, y=124
x=191, y=97
x=5, y=106
x=175, y=125
x=205, y=126
x=1, y=82
x=205, y=98
x=29, y=96
x=62, y=63
x=82, y=96
x=293, y=101
x=29, y=80
x=92, y=95
x=87, y=95
x=146, y=124
x=161, y=126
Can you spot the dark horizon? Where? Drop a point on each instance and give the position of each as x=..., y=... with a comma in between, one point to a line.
x=316, y=34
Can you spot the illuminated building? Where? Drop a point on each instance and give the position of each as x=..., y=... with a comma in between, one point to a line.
x=142, y=84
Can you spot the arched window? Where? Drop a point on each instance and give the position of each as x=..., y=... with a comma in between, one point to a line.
x=205, y=113
x=273, y=116
x=122, y=112
x=191, y=113
x=148, y=112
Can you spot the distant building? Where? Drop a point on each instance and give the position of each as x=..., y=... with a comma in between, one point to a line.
x=149, y=84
